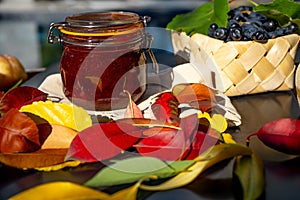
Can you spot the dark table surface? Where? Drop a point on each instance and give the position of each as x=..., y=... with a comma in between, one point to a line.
x=282, y=171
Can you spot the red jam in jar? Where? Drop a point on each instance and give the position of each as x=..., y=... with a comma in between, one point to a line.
x=103, y=57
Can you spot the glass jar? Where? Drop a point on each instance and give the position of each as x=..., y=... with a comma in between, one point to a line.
x=103, y=58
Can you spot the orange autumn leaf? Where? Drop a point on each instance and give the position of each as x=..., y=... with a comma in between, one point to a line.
x=196, y=95
x=60, y=137
x=40, y=158
x=186, y=93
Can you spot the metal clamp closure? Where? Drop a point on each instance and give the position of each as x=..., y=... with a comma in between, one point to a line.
x=51, y=35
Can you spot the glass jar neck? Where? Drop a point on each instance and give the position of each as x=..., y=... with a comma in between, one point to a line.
x=138, y=36
x=102, y=27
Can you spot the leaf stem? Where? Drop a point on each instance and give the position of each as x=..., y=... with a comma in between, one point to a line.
x=159, y=125
x=253, y=2
x=248, y=138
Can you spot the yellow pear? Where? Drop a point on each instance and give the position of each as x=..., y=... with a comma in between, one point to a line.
x=11, y=71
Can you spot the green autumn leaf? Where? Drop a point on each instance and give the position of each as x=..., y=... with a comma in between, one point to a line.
x=133, y=169
x=209, y=158
x=249, y=171
x=199, y=20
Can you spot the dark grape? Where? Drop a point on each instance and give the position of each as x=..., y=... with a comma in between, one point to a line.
x=260, y=36
x=271, y=35
x=235, y=34
x=231, y=14
x=270, y=25
x=233, y=24
x=249, y=30
x=245, y=24
x=292, y=28
x=239, y=17
x=212, y=29
x=279, y=32
x=220, y=33
x=254, y=22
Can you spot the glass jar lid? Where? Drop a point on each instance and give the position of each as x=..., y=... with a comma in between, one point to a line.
x=99, y=24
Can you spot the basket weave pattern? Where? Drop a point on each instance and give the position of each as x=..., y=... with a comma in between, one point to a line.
x=248, y=67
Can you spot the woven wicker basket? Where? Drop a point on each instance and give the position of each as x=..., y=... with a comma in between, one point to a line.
x=242, y=67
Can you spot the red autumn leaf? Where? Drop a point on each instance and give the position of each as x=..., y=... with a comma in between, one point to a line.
x=154, y=130
x=200, y=143
x=20, y=96
x=172, y=144
x=202, y=139
x=166, y=145
x=43, y=126
x=1, y=94
x=103, y=141
x=165, y=108
x=189, y=124
x=18, y=133
x=282, y=135
x=204, y=125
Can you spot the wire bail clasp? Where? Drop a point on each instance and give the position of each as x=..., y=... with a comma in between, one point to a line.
x=52, y=37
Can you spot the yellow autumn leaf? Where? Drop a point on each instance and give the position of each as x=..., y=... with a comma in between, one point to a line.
x=204, y=115
x=73, y=191
x=217, y=121
x=227, y=137
x=64, y=114
x=129, y=193
x=60, y=191
x=72, y=163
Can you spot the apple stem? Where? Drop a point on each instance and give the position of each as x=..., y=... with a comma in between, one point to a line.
x=248, y=138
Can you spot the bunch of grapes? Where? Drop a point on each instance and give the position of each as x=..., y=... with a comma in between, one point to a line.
x=246, y=25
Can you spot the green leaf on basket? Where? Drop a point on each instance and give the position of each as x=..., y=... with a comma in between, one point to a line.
x=290, y=8
x=199, y=20
x=250, y=173
x=209, y=158
x=283, y=11
x=133, y=169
